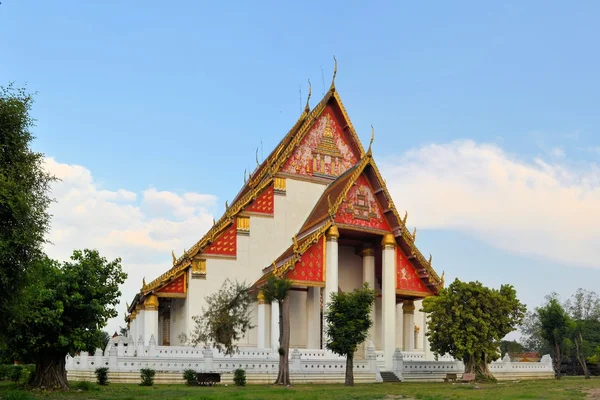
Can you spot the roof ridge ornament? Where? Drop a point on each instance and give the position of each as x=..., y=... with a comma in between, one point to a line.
x=405, y=217
x=173, y=256
x=307, y=107
x=372, y=139
x=332, y=88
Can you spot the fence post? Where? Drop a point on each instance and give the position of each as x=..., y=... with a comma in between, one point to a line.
x=208, y=359
x=296, y=361
x=98, y=359
x=372, y=357
x=113, y=359
x=398, y=363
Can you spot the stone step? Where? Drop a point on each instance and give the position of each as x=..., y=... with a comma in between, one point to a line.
x=389, y=376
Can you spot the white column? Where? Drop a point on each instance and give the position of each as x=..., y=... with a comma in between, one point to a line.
x=140, y=324
x=313, y=315
x=399, y=326
x=261, y=328
x=388, y=300
x=408, y=309
x=150, y=318
x=368, y=256
x=275, y=325
x=331, y=271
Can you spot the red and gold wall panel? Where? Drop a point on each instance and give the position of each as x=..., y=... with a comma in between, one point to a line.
x=310, y=267
x=264, y=203
x=361, y=208
x=224, y=245
x=175, y=286
x=324, y=151
x=406, y=277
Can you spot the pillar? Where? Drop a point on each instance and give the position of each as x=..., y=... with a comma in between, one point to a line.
x=261, y=341
x=313, y=315
x=275, y=325
x=388, y=301
x=150, y=318
x=133, y=326
x=139, y=320
x=408, y=310
x=399, y=330
x=368, y=256
x=331, y=271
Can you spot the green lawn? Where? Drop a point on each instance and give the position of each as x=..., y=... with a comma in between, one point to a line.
x=569, y=388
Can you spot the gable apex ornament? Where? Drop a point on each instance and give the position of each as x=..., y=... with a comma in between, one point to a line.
x=332, y=88
x=307, y=107
x=371, y=141
x=173, y=256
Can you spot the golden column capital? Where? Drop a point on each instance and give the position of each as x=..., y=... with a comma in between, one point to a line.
x=388, y=240
x=367, y=252
x=333, y=233
x=261, y=297
x=408, y=306
x=151, y=302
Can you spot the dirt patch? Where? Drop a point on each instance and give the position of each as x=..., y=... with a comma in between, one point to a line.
x=593, y=393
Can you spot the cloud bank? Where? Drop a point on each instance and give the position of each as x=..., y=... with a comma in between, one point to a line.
x=535, y=208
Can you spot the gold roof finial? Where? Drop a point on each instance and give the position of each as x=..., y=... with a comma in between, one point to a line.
x=127, y=305
x=334, y=74
x=405, y=217
x=173, y=256
x=144, y=286
x=414, y=234
x=214, y=221
x=295, y=243
x=430, y=258
x=257, y=163
x=442, y=279
x=307, y=107
x=372, y=138
x=330, y=211
x=226, y=205
x=245, y=178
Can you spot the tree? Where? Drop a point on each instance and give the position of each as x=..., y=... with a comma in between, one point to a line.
x=62, y=312
x=123, y=331
x=104, y=339
x=225, y=319
x=512, y=347
x=348, y=323
x=468, y=320
x=554, y=329
x=24, y=200
x=583, y=305
x=277, y=289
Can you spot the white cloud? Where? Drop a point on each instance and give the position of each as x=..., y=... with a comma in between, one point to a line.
x=536, y=208
x=143, y=235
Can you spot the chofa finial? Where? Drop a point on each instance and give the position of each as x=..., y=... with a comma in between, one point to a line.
x=245, y=177
x=144, y=286
x=405, y=217
x=173, y=256
x=307, y=107
x=214, y=221
x=226, y=205
x=430, y=258
x=295, y=243
x=414, y=234
x=257, y=163
x=334, y=73
x=372, y=139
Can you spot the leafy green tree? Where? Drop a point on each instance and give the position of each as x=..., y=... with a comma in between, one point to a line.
x=512, y=347
x=555, y=325
x=277, y=289
x=348, y=323
x=104, y=339
x=468, y=320
x=24, y=200
x=225, y=319
x=62, y=312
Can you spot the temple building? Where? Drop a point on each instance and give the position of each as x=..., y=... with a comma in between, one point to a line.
x=318, y=212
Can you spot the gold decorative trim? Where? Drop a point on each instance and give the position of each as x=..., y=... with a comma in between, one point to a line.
x=412, y=293
x=408, y=306
x=261, y=297
x=280, y=185
x=151, y=302
x=171, y=295
x=367, y=252
x=199, y=267
x=362, y=229
x=307, y=178
x=333, y=233
x=243, y=224
x=308, y=283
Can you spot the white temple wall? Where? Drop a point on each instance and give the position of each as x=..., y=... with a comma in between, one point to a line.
x=178, y=320
x=350, y=269
x=378, y=323
x=298, y=329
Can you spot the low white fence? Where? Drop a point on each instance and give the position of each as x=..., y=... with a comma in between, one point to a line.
x=125, y=358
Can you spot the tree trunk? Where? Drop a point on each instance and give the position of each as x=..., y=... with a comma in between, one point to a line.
x=557, y=360
x=283, y=377
x=50, y=373
x=581, y=357
x=349, y=369
x=479, y=367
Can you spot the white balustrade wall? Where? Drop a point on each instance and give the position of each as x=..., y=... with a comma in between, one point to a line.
x=123, y=356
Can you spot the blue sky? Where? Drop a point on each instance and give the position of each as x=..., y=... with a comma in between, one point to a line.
x=140, y=103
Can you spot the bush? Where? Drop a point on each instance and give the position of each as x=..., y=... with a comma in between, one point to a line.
x=239, y=377
x=102, y=376
x=85, y=386
x=5, y=370
x=17, y=395
x=15, y=373
x=147, y=376
x=190, y=377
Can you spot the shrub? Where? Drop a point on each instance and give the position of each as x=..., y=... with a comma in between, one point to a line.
x=102, y=376
x=17, y=395
x=239, y=377
x=5, y=370
x=147, y=376
x=15, y=373
x=190, y=377
x=85, y=386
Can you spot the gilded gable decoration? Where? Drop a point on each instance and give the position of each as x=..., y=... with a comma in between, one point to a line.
x=199, y=269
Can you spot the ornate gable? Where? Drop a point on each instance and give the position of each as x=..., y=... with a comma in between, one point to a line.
x=175, y=288
x=264, y=203
x=309, y=269
x=407, y=280
x=326, y=151
x=225, y=245
x=361, y=207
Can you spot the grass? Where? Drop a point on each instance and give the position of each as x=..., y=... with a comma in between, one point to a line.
x=569, y=388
